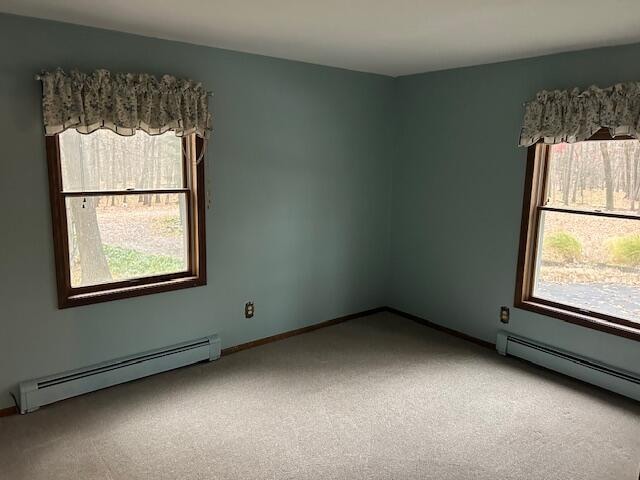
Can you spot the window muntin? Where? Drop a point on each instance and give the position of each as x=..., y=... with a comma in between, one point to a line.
x=128, y=214
x=580, y=246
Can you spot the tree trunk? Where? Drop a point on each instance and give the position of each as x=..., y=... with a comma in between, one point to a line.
x=93, y=263
x=566, y=188
x=608, y=177
x=92, y=260
x=636, y=194
x=634, y=175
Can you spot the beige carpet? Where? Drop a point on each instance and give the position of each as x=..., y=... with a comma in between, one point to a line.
x=375, y=398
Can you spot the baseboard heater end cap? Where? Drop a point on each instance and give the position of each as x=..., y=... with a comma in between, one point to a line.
x=214, y=347
x=501, y=342
x=23, y=393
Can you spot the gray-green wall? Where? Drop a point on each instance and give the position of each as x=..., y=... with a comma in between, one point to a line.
x=300, y=161
x=334, y=192
x=457, y=195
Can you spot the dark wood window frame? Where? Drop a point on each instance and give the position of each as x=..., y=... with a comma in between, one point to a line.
x=533, y=206
x=194, y=189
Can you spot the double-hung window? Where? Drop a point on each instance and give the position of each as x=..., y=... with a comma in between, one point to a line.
x=580, y=240
x=128, y=214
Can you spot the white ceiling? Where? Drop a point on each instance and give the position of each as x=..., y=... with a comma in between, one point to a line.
x=393, y=37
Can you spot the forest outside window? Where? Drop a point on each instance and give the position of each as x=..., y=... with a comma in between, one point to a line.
x=580, y=244
x=128, y=214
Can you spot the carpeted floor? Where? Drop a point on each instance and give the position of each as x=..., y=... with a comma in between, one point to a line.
x=379, y=397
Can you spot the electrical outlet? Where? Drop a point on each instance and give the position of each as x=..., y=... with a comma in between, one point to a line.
x=249, y=310
x=504, y=314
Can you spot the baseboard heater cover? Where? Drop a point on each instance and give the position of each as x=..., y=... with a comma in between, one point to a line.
x=33, y=394
x=585, y=369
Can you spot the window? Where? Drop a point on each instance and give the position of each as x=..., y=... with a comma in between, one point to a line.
x=580, y=240
x=128, y=214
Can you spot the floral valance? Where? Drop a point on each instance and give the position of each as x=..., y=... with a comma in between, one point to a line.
x=124, y=103
x=574, y=115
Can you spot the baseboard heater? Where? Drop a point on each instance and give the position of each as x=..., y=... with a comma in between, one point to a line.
x=33, y=394
x=616, y=380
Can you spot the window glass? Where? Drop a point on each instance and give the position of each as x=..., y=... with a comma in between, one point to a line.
x=595, y=176
x=589, y=262
x=121, y=237
x=104, y=160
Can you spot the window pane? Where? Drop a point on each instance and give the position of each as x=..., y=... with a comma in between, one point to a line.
x=114, y=238
x=104, y=160
x=590, y=262
x=595, y=175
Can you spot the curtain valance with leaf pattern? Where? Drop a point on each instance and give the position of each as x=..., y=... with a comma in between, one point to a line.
x=573, y=115
x=123, y=103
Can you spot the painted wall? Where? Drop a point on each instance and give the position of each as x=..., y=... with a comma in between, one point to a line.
x=458, y=188
x=300, y=162
x=331, y=196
